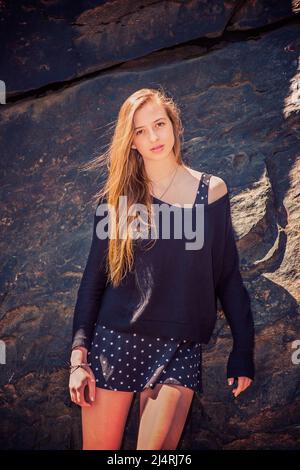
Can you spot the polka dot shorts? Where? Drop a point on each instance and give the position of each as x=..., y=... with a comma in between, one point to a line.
x=131, y=361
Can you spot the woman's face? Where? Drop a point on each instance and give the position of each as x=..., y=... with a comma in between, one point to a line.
x=153, y=128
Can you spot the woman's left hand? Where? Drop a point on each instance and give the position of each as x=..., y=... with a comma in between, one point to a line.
x=243, y=383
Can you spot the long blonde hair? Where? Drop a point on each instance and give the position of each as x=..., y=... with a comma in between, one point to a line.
x=126, y=175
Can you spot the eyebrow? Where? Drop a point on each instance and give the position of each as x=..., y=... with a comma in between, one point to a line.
x=153, y=121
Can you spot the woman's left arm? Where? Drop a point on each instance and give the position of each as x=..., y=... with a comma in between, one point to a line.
x=236, y=305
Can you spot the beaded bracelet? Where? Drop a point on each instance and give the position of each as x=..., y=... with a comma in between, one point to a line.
x=77, y=366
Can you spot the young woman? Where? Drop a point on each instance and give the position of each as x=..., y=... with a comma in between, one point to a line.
x=143, y=312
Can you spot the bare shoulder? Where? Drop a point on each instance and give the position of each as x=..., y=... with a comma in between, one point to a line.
x=217, y=188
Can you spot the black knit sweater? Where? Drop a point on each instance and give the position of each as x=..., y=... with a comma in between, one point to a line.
x=172, y=291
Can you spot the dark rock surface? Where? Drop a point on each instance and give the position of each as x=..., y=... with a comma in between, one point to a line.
x=233, y=71
x=52, y=42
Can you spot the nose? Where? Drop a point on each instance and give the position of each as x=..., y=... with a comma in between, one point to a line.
x=153, y=136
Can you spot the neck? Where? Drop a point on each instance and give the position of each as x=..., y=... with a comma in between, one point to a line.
x=160, y=171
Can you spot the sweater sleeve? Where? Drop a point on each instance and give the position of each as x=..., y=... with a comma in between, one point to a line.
x=236, y=306
x=90, y=291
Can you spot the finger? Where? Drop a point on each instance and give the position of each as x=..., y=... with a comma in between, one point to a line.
x=239, y=389
x=92, y=388
x=82, y=401
x=247, y=383
x=230, y=380
x=72, y=395
x=77, y=394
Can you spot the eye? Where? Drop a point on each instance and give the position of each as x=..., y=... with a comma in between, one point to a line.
x=141, y=130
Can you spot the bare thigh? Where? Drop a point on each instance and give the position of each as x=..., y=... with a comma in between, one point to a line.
x=103, y=423
x=163, y=413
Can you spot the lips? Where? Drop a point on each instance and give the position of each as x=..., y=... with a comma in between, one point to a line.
x=158, y=147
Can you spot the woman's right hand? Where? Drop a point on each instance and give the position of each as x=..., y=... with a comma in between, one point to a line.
x=81, y=379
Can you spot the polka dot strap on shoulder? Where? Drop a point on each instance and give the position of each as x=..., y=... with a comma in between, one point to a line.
x=202, y=195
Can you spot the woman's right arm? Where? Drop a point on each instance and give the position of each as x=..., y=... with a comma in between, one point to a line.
x=90, y=291
x=87, y=306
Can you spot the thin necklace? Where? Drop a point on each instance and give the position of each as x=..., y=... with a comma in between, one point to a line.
x=169, y=183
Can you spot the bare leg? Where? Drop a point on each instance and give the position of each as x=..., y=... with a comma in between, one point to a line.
x=163, y=413
x=103, y=423
x=182, y=410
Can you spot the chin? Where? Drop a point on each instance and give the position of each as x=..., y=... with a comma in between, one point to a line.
x=164, y=153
